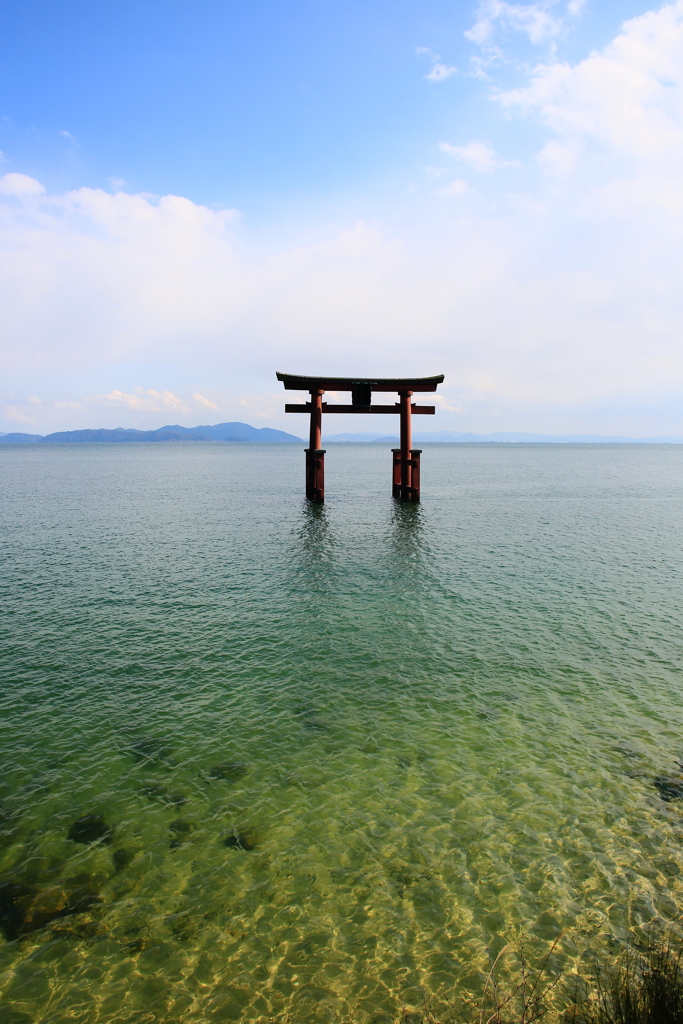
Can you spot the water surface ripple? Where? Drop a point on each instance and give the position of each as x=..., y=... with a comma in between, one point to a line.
x=331, y=758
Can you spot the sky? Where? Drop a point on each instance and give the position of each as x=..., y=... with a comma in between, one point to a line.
x=193, y=196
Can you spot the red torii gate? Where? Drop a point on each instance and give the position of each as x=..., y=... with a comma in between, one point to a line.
x=406, y=459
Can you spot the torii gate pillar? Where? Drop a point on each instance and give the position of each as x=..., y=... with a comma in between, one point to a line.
x=406, y=464
x=315, y=455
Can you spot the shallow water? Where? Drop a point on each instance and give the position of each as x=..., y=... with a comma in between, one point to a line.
x=436, y=726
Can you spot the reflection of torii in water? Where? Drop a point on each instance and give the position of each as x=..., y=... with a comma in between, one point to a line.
x=406, y=459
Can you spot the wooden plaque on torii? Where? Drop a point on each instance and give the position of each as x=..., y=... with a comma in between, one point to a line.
x=405, y=460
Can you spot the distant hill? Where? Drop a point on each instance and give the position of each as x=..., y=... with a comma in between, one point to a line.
x=361, y=437
x=245, y=432
x=500, y=438
x=20, y=438
x=219, y=432
x=510, y=438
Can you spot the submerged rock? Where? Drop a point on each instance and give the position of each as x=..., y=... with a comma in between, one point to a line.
x=230, y=771
x=317, y=724
x=73, y=897
x=151, y=750
x=240, y=841
x=182, y=828
x=90, y=829
x=154, y=791
x=670, y=786
x=122, y=858
x=182, y=831
x=303, y=781
x=9, y=823
x=24, y=910
x=13, y=897
x=309, y=718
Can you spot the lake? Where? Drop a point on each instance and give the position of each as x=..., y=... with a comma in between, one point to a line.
x=333, y=758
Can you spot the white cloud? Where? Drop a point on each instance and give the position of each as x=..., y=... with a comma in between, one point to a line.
x=267, y=406
x=477, y=155
x=557, y=160
x=147, y=400
x=14, y=184
x=205, y=401
x=15, y=414
x=628, y=96
x=439, y=72
x=442, y=403
x=540, y=22
x=457, y=187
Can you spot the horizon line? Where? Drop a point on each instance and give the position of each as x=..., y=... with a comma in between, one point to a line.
x=362, y=437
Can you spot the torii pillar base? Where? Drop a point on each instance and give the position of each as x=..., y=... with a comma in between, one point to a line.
x=411, y=491
x=315, y=474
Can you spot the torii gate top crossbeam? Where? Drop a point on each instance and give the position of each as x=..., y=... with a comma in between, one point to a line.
x=293, y=382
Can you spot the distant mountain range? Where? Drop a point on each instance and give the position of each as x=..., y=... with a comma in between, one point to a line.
x=221, y=432
x=244, y=432
x=453, y=435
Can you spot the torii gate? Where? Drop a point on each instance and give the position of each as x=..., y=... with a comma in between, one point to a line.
x=406, y=459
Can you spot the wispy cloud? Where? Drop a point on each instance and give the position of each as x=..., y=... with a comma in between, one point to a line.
x=262, y=406
x=441, y=402
x=457, y=187
x=439, y=71
x=557, y=160
x=478, y=155
x=205, y=401
x=17, y=415
x=148, y=400
x=540, y=22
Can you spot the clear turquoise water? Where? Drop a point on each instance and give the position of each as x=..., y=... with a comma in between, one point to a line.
x=449, y=719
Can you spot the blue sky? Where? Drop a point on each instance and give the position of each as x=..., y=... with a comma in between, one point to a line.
x=193, y=196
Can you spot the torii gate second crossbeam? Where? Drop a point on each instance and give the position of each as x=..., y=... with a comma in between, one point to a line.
x=406, y=459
